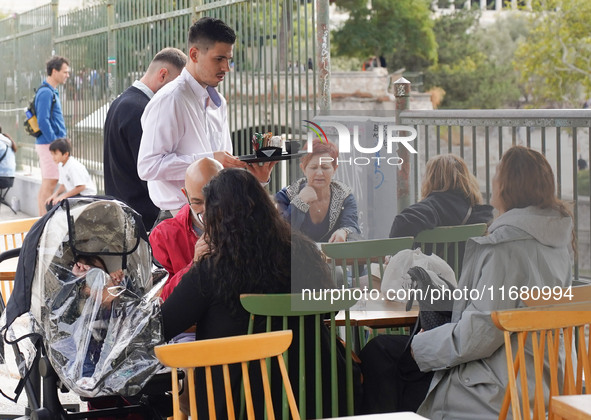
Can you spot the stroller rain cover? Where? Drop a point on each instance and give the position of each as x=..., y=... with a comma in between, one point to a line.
x=99, y=326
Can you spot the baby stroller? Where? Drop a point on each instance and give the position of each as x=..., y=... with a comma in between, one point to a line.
x=83, y=310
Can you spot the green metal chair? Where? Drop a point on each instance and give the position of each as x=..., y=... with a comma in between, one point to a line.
x=359, y=253
x=448, y=242
x=279, y=306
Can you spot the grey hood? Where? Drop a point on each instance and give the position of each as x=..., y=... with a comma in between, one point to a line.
x=547, y=226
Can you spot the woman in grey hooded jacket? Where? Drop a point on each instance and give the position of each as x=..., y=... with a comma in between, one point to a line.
x=528, y=247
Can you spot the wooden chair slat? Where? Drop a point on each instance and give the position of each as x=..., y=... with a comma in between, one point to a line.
x=548, y=326
x=225, y=351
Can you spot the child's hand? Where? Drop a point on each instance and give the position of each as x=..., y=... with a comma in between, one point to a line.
x=58, y=199
x=117, y=277
x=79, y=269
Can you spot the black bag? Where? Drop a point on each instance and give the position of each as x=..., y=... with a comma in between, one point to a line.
x=31, y=124
x=431, y=313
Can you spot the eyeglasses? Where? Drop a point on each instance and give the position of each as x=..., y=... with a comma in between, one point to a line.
x=198, y=216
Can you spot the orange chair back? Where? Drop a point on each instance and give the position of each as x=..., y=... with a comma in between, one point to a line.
x=546, y=327
x=12, y=234
x=223, y=352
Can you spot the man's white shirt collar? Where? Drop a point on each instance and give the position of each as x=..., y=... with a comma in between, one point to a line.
x=142, y=86
x=201, y=92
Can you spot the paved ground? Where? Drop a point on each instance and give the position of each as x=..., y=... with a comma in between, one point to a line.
x=6, y=214
x=9, y=378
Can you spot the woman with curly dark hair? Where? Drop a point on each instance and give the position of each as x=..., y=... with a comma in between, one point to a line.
x=248, y=248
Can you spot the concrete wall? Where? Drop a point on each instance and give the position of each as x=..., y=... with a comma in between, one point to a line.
x=25, y=190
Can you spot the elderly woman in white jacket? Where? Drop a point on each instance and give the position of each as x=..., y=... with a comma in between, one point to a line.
x=528, y=245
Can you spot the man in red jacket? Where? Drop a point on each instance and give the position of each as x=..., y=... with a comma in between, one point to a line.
x=173, y=240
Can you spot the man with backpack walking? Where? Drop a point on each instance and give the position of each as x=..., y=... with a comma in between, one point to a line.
x=50, y=118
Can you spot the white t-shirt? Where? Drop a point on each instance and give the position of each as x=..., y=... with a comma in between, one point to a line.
x=8, y=162
x=180, y=125
x=73, y=174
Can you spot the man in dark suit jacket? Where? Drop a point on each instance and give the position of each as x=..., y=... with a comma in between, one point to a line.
x=123, y=133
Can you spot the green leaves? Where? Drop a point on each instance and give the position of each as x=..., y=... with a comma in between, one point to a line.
x=400, y=30
x=554, y=61
x=474, y=67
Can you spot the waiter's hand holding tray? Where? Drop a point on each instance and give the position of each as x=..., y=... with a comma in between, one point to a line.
x=269, y=148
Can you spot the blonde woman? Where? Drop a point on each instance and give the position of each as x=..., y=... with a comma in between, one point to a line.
x=450, y=197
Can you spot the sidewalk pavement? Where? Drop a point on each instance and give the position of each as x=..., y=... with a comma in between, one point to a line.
x=9, y=378
x=7, y=214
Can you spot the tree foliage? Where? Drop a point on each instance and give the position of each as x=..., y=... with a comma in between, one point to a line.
x=474, y=67
x=400, y=30
x=554, y=61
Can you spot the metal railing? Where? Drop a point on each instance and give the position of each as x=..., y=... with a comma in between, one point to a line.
x=274, y=84
x=481, y=137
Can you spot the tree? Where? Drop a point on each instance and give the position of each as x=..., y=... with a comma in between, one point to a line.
x=399, y=30
x=554, y=61
x=474, y=67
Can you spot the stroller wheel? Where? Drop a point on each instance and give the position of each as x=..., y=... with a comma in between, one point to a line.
x=41, y=414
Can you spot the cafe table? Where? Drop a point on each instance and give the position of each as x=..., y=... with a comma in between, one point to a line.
x=572, y=407
x=375, y=314
x=406, y=415
x=380, y=313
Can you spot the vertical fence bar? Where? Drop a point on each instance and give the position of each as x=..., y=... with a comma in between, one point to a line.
x=415, y=171
x=426, y=143
x=558, y=165
x=314, y=63
x=402, y=94
x=438, y=140
x=462, y=141
x=474, y=145
x=449, y=138
x=575, y=197
x=500, y=142
x=111, y=51
x=54, y=24
x=487, y=159
x=589, y=190
x=323, y=58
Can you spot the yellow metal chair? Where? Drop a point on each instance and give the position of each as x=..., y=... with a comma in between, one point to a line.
x=223, y=352
x=545, y=326
x=448, y=242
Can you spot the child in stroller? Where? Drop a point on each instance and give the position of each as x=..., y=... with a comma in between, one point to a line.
x=86, y=279
x=96, y=330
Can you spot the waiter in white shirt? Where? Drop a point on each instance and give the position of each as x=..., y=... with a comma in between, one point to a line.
x=187, y=119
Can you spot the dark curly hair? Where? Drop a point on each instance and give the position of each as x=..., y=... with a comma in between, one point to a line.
x=249, y=241
x=251, y=245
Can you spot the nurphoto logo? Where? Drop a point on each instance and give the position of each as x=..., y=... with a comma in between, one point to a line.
x=386, y=131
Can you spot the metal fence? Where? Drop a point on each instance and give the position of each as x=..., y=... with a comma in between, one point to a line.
x=481, y=137
x=272, y=86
